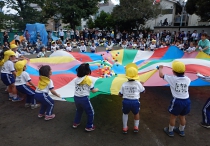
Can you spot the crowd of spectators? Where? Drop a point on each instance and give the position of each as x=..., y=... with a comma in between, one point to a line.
x=142, y=40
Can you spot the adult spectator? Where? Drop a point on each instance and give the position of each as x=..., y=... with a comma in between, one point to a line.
x=61, y=34
x=203, y=44
x=72, y=33
x=49, y=36
x=17, y=39
x=68, y=35
x=195, y=36
x=118, y=37
x=5, y=37
x=27, y=36
x=124, y=35
x=165, y=23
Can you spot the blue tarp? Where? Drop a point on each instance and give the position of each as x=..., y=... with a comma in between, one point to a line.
x=33, y=29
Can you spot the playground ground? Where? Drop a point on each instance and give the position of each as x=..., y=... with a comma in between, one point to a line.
x=21, y=127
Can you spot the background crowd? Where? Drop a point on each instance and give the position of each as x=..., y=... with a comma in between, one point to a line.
x=125, y=39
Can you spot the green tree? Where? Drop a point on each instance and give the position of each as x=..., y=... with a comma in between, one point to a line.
x=90, y=23
x=133, y=13
x=26, y=13
x=71, y=11
x=200, y=8
x=102, y=20
x=191, y=6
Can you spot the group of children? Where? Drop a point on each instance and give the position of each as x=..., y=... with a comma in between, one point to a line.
x=14, y=75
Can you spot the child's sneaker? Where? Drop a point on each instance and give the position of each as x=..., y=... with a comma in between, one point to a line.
x=10, y=98
x=41, y=115
x=75, y=125
x=33, y=106
x=27, y=105
x=181, y=133
x=166, y=130
x=135, y=129
x=47, y=118
x=90, y=129
x=205, y=125
x=125, y=130
x=16, y=99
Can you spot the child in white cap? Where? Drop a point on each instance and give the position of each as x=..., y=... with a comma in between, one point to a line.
x=130, y=92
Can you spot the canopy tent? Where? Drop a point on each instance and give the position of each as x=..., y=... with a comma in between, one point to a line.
x=33, y=29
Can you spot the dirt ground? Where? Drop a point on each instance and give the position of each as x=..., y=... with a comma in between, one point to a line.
x=21, y=127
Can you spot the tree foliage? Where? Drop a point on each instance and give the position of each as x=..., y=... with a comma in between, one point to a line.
x=201, y=8
x=102, y=21
x=132, y=13
x=70, y=11
x=26, y=12
x=90, y=23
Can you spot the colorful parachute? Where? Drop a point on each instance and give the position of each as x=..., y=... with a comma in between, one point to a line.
x=108, y=68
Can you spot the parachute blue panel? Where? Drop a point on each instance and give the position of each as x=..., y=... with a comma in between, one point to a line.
x=33, y=29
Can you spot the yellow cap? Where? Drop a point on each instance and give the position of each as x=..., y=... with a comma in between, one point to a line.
x=131, y=71
x=178, y=67
x=153, y=40
x=13, y=46
x=19, y=67
x=7, y=54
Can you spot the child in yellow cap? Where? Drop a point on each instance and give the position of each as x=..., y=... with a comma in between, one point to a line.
x=180, y=104
x=41, y=94
x=22, y=77
x=8, y=75
x=130, y=92
x=153, y=46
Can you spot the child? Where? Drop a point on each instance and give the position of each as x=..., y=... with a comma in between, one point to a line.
x=22, y=77
x=142, y=46
x=8, y=74
x=14, y=48
x=152, y=46
x=109, y=46
x=124, y=45
x=134, y=45
x=130, y=92
x=68, y=47
x=41, y=94
x=93, y=48
x=83, y=86
x=180, y=105
x=191, y=48
x=206, y=108
x=53, y=46
x=74, y=43
x=163, y=45
x=179, y=45
x=83, y=48
x=42, y=53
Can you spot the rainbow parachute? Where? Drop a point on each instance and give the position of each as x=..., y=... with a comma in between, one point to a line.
x=108, y=68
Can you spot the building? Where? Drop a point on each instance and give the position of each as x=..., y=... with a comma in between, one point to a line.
x=106, y=7
x=174, y=12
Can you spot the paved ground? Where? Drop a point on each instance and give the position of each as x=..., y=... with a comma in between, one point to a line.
x=21, y=127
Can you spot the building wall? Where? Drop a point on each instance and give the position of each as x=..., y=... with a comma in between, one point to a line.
x=108, y=8
x=168, y=4
x=193, y=20
x=164, y=4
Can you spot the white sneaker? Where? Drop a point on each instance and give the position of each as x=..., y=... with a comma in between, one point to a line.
x=27, y=105
x=33, y=106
